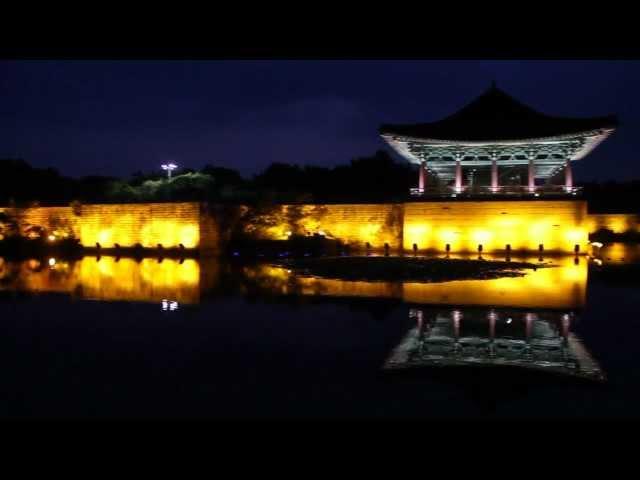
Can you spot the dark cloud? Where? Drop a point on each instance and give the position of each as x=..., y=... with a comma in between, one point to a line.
x=117, y=117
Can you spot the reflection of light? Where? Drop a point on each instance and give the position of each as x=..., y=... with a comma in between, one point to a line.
x=597, y=244
x=52, y=238
x=597, y=261
x=509, y=320
x=52, y=262
x=33, y=264
x=169, y=305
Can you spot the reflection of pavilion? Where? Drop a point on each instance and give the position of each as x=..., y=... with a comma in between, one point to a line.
x=538, y=340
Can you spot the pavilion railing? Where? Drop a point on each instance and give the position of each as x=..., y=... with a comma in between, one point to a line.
x=487, y=191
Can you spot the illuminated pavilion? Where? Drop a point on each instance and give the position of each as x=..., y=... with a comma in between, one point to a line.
x=496, y=145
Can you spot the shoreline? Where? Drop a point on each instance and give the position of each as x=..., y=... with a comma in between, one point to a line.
x=408, y=269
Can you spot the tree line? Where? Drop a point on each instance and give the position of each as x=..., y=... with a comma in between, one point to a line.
x=375, y=178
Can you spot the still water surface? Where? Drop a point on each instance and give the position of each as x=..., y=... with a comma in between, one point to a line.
x=117, y=337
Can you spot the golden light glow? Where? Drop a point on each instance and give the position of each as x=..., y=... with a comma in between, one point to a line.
x=147, y=224
x=561, y=286
x=52, y=238
x=617, y=223
x=620, y=253
x=523, y=225
x=110, y=279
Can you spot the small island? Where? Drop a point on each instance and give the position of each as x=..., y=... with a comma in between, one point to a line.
x=409, y=269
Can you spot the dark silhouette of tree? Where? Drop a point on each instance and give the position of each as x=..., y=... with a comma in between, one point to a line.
x=375, y=178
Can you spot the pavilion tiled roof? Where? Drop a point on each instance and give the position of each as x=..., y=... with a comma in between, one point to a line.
x=495, y=115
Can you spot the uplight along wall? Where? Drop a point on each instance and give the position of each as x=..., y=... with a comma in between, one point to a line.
x=147, y=224
x=354, y=224
x=496, y=226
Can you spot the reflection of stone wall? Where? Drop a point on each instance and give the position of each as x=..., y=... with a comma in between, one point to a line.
x=108, y=278
x=563, y=286
x=616, y=222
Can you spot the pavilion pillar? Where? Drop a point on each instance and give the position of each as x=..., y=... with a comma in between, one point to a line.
x=422, y=176
x=568, y=175
x=458, y=175
x=494, y=174
x=532, y=175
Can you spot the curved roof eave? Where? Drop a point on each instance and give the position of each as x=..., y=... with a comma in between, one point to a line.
x=601, y=132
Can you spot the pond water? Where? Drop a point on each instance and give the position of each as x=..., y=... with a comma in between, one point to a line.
x=109, y=337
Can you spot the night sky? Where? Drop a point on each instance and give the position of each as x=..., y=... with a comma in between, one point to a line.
x=116, y=117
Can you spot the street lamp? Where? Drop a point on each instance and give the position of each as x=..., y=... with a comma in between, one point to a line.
x=169, y=167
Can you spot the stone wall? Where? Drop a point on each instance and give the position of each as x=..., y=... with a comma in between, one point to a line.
x=464, y=225
x=149, y=224
x=524, y=225
x=354, y=224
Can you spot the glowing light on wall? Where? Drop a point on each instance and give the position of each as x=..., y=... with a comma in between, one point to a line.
x=419, y=234
x=523, y=225
x=481, y=236
x=147, y=224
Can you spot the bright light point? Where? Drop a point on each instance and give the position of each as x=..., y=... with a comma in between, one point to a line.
x=597, y=244
x=169, y=305
x=509, y=320
x=169, y=167
x=52, y=238
x=52, y=262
